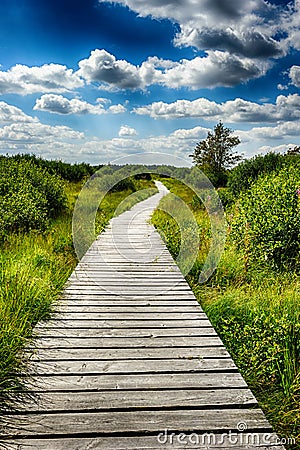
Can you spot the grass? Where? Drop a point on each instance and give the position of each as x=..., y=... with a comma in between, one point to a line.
x=33, y=270
x=34, y=267
x=257, y=315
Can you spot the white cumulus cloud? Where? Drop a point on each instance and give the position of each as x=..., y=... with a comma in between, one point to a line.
x=294, y=74
x=103, y=67
x=237, y=110
x=11, y=114
x=20, y=132
x=24, y=80
x=125, y=130
x=117, y=109
x=58, y=104
x=36, y=132
x=216, y=68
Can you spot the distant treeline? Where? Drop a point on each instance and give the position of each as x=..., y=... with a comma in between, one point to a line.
x=70, y=172
x=32, y=192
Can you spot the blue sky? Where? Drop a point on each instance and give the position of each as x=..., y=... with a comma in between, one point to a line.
x=95, y=80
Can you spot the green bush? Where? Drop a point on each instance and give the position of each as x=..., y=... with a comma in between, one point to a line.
x=25, y=209
x=143, y=176
x=242, y=176
x=29, y=196
x=226, y=197
x=266, y=222
x=124, y=185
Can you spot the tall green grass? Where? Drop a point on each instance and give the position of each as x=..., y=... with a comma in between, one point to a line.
x=255, y=311
x=33, y=270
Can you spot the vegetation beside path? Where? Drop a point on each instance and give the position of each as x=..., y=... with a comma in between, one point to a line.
x=252, y=299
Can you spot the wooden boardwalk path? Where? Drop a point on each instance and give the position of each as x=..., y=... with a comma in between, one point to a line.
x=131, y=361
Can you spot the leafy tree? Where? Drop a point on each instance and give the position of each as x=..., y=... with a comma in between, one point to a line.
x=215, y=153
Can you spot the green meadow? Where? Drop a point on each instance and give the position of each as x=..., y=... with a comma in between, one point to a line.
x=252, y=298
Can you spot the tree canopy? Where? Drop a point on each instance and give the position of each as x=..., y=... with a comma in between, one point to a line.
x=215, y=153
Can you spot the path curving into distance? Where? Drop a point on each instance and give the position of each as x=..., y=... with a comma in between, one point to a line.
x=131, y=361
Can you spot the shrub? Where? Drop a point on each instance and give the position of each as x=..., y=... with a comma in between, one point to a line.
x=143, y=176
x=242, y=176
x=124, y=185
x=29, y=196
x=226, y=197
x=266, y=221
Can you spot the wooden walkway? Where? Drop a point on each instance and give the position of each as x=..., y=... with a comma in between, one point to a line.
x=131, y=361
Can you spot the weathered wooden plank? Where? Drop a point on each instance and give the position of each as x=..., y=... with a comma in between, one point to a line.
x=166, y=441
x=112, y=296
x=137, y=399
x=136, y=282
x=124, y=242
x=138, y=381
x=138, y=254
x=126, y=323
x=82, y=270
x=167, y=294
x=130, y=342
x=79, y=302
x=133, y=316
x=94, y=284
x=124, y=333
x=123, y=248
x=130, y=422
x=134, y=275
x=146, y=263
x=70, y=309
x=129, y=285
x=130, y=353
x=95, y=265
x=135, y=253
x=126, y=291
x=131, y=257
x=144, y=366
x=102, y=270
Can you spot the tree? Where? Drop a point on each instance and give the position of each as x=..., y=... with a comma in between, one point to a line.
x=215, y=153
